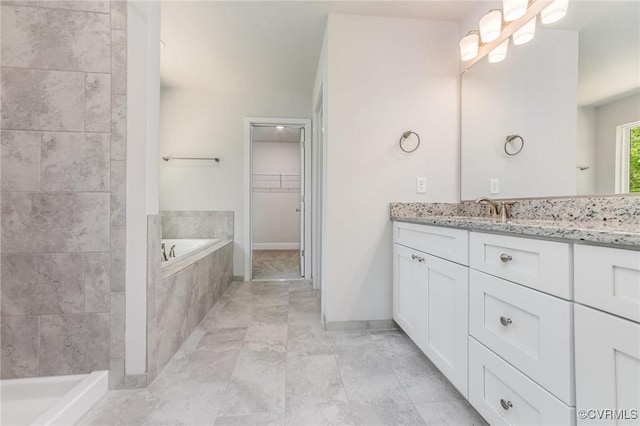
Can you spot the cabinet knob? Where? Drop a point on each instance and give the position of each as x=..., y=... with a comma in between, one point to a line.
x=505, y=321
x=505, y=258
x=421, y=259
x=414, y=257
x=506, y=404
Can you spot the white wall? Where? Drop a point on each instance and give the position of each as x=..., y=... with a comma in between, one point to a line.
x=208, y=123
x=276, y=224
x=537, y=103
x=383, y=76
x=586, y=151
x=143, y=103
x=608, y=117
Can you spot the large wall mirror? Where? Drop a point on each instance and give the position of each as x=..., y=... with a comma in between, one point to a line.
x=572, y=94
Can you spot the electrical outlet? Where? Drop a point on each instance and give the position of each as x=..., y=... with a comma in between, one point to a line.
x=494, y=186
x=421, y=185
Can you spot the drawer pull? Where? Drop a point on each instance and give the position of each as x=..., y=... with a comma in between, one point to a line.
x=506, y=404
x=505, y=321
x=505, y=258
x=414, y=257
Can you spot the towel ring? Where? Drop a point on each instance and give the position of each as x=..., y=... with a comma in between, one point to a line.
x=404, y=136
x=511, y=138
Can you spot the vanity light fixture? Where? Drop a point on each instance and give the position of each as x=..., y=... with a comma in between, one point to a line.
x=525, y=33
x=554, y=12
x=279, y=127
x=495, y=32
x=514, y=9
x=499, y=52
x=469, y=45
x=490, y=26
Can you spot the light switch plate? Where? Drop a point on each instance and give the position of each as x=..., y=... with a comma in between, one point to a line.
x=421, y=185
x=494, y=186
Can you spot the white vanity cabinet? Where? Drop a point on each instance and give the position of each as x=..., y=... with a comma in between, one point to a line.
x=430, y=295
x=553, y=327
x=607, y=333
x=521, y=364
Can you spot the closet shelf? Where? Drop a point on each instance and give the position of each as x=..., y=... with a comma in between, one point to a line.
x=272, y=182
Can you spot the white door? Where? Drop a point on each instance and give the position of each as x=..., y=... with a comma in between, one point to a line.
x=301, y=210
x=607, y=368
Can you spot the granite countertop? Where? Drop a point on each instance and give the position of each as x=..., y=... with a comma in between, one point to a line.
x=602, y=228
x=596, y=232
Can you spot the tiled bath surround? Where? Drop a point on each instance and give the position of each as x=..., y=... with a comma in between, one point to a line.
x=197, y=224
x=63, y=150
x=177, y=304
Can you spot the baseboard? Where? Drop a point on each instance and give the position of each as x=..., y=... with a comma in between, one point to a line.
x=239, y=278
x=361, y=325
x=276, y=246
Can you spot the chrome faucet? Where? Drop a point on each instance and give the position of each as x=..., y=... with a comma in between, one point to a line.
x=164, y=253
x=504, y=211
x=491, y=206
x=172, y=251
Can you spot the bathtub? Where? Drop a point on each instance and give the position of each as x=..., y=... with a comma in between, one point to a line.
x=187, y=251
x=55, y=400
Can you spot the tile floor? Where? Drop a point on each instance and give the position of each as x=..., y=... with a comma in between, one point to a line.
x=276, y=264
x=261, y=357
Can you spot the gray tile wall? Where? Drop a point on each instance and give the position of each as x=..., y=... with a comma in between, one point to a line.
x=177, y=304
x=62, y=169
x=197, y=224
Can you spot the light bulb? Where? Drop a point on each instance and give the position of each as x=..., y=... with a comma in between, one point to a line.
x=499, y=52
x=469, y=47
x=514, y=9
x=554, y=12
x=490, y=26
x=525, y=33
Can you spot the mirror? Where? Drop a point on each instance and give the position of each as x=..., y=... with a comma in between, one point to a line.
x=572, y=94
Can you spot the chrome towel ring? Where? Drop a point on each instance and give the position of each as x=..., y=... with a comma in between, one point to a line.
x=510, y=139
x=406, y=135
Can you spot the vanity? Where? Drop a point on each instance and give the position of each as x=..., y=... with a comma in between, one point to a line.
x=535, y=316
x=533, y=322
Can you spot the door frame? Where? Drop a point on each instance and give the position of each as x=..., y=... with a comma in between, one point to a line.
x=248, y=226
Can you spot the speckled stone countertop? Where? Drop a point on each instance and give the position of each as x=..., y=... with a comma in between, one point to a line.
x=603, y=220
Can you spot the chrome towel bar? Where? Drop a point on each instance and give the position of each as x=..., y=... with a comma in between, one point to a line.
x=216, y=159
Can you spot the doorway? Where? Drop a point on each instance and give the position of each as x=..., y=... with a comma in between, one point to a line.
x=275, y=244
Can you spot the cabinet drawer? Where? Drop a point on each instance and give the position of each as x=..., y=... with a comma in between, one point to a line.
x=505, y=396
x=531, y=330
x=542, y=265
x=608, y=279
x=447, y=243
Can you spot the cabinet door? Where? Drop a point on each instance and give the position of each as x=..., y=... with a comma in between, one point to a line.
x=607, y=366
x=446, y=341
x=410, y=292
x=430, y=303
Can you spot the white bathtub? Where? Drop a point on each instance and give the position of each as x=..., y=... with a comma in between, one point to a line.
x=188, y=251
x=56, y=400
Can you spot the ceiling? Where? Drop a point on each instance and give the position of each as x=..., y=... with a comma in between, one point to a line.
x=274, y=46
x=265, y=46
x=289, y=134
